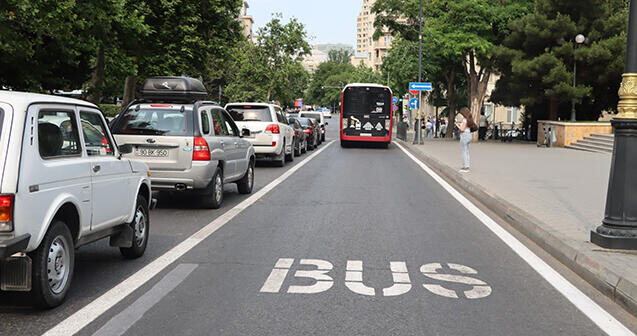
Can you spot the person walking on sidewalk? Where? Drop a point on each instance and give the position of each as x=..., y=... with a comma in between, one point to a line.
x=465, y=127
x=484, y=124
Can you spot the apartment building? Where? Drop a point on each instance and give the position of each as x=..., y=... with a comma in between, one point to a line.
x=369, y=51
x=312, y=61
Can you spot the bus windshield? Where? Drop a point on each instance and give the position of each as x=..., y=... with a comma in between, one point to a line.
x=366, y=111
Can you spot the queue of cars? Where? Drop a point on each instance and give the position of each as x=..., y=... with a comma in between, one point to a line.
x=99, y=181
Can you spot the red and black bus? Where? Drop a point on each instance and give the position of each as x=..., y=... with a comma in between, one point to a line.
x=366, y=114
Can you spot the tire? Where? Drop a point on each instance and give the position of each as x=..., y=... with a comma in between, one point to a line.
x=304, y=149
x=141, y=229
x=290, y=157
x=281, y=161
x=323, y=138
x=245, y=184
x=54, y=257
x=297, y=149
x=213, y=197
x=385, y=145
x=311, y=146
x=345, y=144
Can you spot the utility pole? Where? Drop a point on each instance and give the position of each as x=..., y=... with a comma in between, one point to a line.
x=619, y=226
x=420, y=114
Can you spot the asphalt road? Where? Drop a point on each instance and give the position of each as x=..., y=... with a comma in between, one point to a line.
x=358, y=241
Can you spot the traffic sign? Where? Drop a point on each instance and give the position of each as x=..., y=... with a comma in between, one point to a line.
x=413, y=103
x=394, y=108
x=394, y=100
x=414, y=92
x=420, y=86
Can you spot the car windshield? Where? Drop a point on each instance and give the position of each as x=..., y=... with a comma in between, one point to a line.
x=316, y=116
x=155, y=121
x=305, y=122
x=250, y=113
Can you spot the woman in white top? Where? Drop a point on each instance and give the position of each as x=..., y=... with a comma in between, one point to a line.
x=465, y=137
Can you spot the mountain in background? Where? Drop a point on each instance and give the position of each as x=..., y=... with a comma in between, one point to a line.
x=329, y=46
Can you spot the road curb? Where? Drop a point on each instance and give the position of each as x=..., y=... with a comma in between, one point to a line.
x=621, y=290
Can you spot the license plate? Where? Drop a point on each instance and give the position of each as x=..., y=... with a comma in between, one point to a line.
x=151, y=152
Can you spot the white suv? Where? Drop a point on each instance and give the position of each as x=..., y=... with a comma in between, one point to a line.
x=270, y=134
x=63, y=184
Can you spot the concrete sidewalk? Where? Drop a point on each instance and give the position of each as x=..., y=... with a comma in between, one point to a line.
x=554, y=196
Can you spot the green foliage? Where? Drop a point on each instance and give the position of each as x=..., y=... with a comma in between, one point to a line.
x=110, y=110
x=537, y=58
x=271, y=69
x=339, y=56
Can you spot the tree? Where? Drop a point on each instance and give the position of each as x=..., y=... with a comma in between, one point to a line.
x=271, y=69
x=339, y=55
x=537, y=58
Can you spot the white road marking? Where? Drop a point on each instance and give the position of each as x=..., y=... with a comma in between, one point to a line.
x=323, y=281
x=121, y=322
x=99, y=306
x=276, y=278
x=354, y=271
x=586, y=305
x=400, y=275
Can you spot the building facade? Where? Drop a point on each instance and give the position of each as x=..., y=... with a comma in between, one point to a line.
x=312, y=61
x=246, y=21
x=369, y=51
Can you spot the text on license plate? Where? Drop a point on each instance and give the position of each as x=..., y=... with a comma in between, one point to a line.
x=152, y=152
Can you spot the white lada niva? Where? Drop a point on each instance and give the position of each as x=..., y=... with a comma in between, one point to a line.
x=63, y=184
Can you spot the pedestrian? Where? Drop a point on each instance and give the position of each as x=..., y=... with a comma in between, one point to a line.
x=484, y=124
x=429, y=126
x=443, y=128
x=465, y=127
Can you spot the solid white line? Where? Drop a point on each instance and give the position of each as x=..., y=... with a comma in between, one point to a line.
x=586, y=305
x=99, y=306
x=121, y=322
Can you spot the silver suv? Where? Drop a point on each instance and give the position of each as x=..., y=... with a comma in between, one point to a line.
x=190, y=145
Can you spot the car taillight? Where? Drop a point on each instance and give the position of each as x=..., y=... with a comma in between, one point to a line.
x=201, y=151
x=6, y=213
x=294, y=133
x=307, y=131
x=272, y=128
x=105, y=144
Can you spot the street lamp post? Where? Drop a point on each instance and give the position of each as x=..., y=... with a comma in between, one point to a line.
x=619, y=226
x=579, y=39
x=420, y=114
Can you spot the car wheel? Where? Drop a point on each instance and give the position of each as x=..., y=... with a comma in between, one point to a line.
x=53, y=265
x=304, y=149
x=214, y=194
x=280, y=161
x=290, y=157
x=323, y=138
x=311, y=146
x=140, y=226
x=246, y=183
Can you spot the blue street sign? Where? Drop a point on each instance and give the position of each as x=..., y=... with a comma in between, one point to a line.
x=420, y=86
x=394, y=100
x=394, y=108
x=413, y=103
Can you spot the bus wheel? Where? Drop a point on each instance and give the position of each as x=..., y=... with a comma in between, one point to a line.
x=385, y=145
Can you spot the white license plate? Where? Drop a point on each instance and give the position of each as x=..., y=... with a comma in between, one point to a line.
x=151, y=152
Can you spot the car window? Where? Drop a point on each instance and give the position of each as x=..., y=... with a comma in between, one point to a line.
x=57, y=134
x=280, y=117
x=205, y=122
x=316, y=116
x=250, y=113
x=161, y=120
x=95, y=139
x=219, y=123
x=233, y=130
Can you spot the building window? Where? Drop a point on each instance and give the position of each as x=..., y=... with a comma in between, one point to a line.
x=488, y=110
x=512, y=114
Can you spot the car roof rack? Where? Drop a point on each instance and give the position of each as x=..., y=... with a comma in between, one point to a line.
x=173, y=89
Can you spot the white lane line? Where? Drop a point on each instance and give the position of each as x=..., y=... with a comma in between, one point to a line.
x=121, y=322
x=586, y=305
x=99, y=306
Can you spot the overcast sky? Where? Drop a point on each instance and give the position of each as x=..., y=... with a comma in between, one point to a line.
x=326, y=21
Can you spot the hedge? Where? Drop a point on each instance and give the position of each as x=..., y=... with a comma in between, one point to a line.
x=110, y=110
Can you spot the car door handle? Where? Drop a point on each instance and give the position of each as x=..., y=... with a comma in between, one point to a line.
x=96, y=168
x=221, y=143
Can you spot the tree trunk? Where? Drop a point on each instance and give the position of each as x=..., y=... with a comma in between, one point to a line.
x=129, y=91
x=554, y=108
x=97, y=80
x=478, y=81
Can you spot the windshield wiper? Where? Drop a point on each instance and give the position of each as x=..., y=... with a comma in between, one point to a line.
x=147, y=130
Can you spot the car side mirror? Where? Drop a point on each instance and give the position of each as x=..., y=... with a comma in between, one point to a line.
x=125, y=149
x=245, y=132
